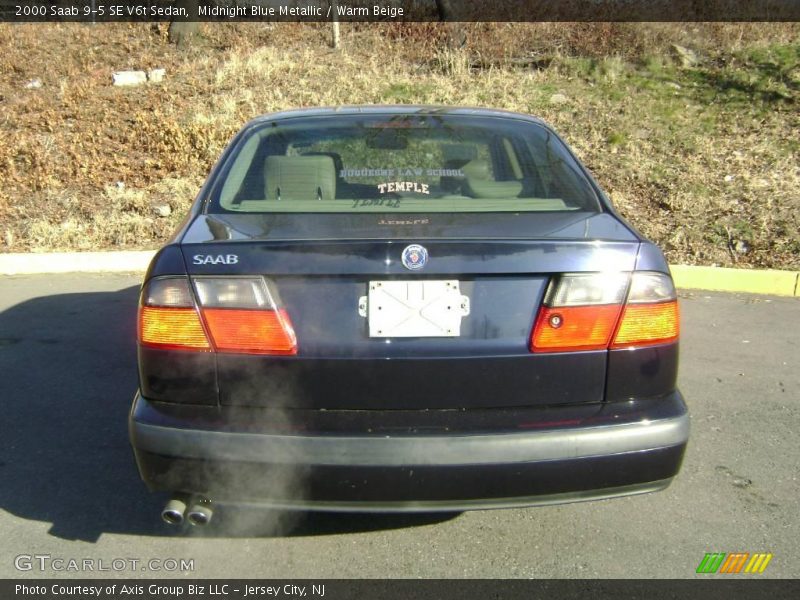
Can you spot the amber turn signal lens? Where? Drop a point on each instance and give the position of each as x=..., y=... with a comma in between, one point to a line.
x=647, y=324
x=175, y=328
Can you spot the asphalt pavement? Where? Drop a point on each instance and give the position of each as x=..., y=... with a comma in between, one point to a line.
x=69, y=489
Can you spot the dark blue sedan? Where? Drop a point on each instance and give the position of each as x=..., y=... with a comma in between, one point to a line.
x=405, y=309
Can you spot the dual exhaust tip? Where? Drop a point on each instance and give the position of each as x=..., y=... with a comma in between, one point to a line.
x=196, y=510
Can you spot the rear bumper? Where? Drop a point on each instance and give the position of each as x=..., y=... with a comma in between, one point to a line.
x=409, y=472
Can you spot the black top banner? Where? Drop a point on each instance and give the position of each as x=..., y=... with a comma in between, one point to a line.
x=398, y=10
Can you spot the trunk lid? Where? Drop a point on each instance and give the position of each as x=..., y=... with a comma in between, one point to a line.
x=321, y=278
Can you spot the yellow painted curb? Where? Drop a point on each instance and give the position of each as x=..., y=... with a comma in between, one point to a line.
x=753, y=281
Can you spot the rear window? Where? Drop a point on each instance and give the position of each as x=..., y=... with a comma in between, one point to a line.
x=401, y=164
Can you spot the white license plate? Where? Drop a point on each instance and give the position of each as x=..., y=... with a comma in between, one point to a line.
x=414, y=308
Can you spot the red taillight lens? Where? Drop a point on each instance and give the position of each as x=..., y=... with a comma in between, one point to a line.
x=251, y=331
x=176, y=328
x=244, y=314
x=573, y=328
x=582, y=312
x=644, y=324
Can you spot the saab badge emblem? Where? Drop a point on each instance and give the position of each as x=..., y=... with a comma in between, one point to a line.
x=414, y=257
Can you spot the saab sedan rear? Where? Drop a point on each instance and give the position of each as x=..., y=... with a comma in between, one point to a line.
x=405, y=308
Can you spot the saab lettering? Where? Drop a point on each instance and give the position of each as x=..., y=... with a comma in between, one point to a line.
x=219, y=259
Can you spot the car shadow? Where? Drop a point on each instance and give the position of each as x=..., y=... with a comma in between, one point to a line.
x=68, y=364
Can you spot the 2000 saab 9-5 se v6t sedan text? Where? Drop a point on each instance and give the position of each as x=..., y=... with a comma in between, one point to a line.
x=404, y=308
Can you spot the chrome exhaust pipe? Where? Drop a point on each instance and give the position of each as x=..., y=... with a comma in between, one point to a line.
x=174, y=510
x=200, y=512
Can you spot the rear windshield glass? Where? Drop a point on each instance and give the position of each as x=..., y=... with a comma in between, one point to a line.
x=400, y=164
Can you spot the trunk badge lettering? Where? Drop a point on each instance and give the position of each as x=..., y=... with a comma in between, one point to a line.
x=215, y=259
x=414, y=257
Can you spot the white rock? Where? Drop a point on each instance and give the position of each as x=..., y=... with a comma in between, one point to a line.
x=156, y=75
x=163, y=210
x=33, y=84
x=558, y=99
x=129, y=77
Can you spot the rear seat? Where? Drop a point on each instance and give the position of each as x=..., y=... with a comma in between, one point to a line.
x=344, y=189
x=300, y=177
x=478, y=182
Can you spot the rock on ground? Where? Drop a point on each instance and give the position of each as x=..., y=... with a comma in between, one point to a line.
x=129, y=78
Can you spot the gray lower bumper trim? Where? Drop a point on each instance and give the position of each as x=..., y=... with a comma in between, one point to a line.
x=535, y=446
x=459, y=505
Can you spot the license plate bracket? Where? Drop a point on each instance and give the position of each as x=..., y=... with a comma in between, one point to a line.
x=418, y=308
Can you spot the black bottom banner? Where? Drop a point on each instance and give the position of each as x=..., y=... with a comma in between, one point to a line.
x=343, y=589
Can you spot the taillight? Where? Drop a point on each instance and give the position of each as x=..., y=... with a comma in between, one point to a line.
x=606, y=310
x=258, y=331
x=236, y=314
x=580, y=312
x=574, y=328
x=168, y=317
x=651, y=313
x=244, y=315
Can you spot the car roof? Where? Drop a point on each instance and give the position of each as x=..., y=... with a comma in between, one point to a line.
x=393, y=110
